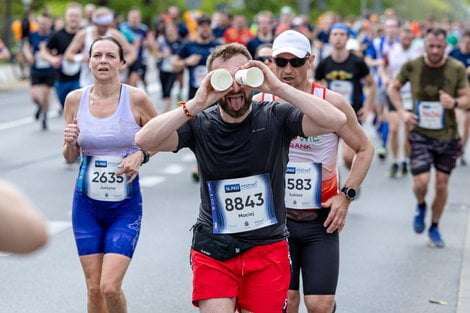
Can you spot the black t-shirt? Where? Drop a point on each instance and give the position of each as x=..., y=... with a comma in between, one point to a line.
x=59, y=42
x=341, y=76
x=257, y=145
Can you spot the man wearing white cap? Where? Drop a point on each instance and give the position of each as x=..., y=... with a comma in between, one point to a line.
x=81, y=43
x=315, y=211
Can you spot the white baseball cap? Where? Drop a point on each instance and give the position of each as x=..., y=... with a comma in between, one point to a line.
x=291, y=41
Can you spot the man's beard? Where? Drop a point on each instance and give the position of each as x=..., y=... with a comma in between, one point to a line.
x=435, y=59
x=227, y=107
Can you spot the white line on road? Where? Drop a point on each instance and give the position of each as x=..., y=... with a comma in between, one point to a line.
x=173, y=169
x=23, y=121
x=150, y=181
x=55, y=227
x=16, y=123
x=188, y=157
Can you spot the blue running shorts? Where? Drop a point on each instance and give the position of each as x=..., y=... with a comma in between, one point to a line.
x=107, y=227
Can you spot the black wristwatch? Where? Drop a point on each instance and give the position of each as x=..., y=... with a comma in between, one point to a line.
x=350, y=193
x=146, y=156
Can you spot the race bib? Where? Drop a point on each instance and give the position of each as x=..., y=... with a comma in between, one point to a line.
x=303, y=185
x=430, y=114
x=343, y=87
x=99, y=179
x=241, y=204
x=407, y=100
x=200, y=72
x=167, y=64
x=39, y=62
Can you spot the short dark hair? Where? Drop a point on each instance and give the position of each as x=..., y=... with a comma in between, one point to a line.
x=110, y=38
x=436, y=31
x=226, y=52
x=263, y=45
x=466, y=33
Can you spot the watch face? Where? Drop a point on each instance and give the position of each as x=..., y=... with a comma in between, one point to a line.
x=351, y=193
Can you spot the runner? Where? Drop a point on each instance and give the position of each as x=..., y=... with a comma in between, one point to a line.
x=264, y=31
x=391, y=64
x=241, y=147
x=439, y=85
x=42, y=73
x=68, y=73
x=263, y=54
x=374, y=58
x=462, y=53
x=344, y=73
x=100, y=123
x=136, y=34
x=80, y=45
x=315, y=211
x=194, y=54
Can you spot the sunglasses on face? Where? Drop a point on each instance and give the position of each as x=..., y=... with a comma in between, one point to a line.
x=294, y=62
x=263, y=59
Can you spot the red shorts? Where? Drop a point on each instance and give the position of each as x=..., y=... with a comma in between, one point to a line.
x=258, y=278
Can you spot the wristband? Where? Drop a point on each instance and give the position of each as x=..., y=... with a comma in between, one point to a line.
x=146, y=157
x=185, y=109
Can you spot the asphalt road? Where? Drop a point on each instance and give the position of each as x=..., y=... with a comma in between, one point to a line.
x=385, y=267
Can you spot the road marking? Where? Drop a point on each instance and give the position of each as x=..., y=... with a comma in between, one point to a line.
x=23, y=121
x=173, y=169
x=150, y=181
x=16, y=123
x=55, y=227
x=188, y=157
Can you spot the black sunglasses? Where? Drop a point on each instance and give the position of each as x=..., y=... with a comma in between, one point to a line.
x=263, y=58
x=294, y=62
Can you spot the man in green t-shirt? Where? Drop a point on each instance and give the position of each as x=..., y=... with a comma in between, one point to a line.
x=439, y=86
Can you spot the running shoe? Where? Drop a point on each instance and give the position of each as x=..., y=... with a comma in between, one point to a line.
x=404, y=169
x=435, y=239
x=418, y=222
x=44, y=122
x=392, y=172
x=382, y=153
x=463, y=162
x=195, y=174
x=37, y=113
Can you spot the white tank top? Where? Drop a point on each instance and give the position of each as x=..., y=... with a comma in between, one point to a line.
x=317, y=149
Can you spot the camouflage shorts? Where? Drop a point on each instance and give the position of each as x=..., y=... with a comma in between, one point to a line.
x=426, y=151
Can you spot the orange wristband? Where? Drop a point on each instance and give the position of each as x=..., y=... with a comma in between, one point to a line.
x=185, y=109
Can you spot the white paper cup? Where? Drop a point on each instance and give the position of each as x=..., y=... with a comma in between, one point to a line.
x=221, y=80
x=252, y=77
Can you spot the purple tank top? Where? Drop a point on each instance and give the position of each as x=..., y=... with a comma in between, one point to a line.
x=113, y=135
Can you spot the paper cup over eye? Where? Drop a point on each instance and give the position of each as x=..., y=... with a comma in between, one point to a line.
x=252, y=77
x=221, y=80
